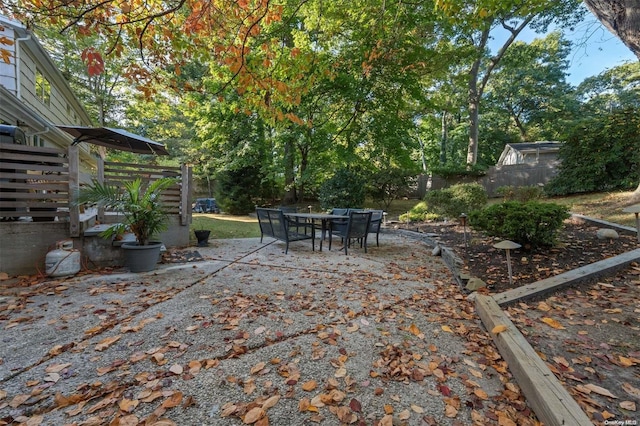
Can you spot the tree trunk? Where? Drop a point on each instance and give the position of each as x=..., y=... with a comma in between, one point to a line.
x=289, y=174
x=474, y=104
x=477, y=88
x=443, y=139
x=621, y=17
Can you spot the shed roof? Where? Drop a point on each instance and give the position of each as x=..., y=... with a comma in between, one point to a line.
x=548, y=146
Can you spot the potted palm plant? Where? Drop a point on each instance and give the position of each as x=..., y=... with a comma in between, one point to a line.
x=144, y=216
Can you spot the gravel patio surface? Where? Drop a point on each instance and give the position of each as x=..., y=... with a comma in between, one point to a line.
x=250, y=335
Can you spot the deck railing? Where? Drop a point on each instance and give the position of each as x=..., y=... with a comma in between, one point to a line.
x=38, y=184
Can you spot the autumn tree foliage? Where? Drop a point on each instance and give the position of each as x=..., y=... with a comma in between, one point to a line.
x=239, y=40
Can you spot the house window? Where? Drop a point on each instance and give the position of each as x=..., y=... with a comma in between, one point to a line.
x=43, y=88
x=38, y=141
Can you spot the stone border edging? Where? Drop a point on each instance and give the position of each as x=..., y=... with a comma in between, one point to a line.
x=453, y=262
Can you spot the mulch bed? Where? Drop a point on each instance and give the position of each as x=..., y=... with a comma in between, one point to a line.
x=587, y=334
x=577, y=246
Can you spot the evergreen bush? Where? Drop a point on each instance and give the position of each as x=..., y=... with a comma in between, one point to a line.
x=345, y=189
x=600, y=154
x=237, y=189
x=520, y=193
x=455, y=200
x=532, y=224
x=418, y=213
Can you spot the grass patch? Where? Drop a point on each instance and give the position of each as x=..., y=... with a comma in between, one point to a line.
x=225, y=226
x=603, y=205
x=606, y=206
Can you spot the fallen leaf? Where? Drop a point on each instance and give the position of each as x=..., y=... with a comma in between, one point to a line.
x=561, y=360
x=56, y=368
x=628, y=405
x=552, y=323
x=417, y=409
x=52, y=377
x=173, y=401
x=499, y=329
x=304, y=404
x=480, y=393
x=386, y=420
x=447, y=329
x=254, y=415
x=105, y=343
x=626, y=362
x=130, y=420
x=310, y=385
x=542, y=306
x=355, y=405
x=176, y=369
x=128, y=405
x=450, y=411
x=606, y=415
x=413, y=329
x=404, y=415
x=599, y=390
x=475, y=373
x=18, y=400
x=258, y=367
x=633, y=391
x=388, y=409
x=505, y=421
x=270, y=402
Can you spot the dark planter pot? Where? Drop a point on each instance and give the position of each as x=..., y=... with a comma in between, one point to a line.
x=141, y=258
x=203, y=237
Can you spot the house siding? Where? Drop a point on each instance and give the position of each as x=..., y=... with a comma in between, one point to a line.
x=8, y=71
x=19, y=101
x=56, y=110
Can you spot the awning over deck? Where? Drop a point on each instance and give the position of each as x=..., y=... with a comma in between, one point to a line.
x=119, y=139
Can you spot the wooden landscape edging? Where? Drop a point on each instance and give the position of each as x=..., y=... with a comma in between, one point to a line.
x=570, y=277
x=551, y=402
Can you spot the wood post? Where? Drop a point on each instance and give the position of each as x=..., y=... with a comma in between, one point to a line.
x=74, y=186
x=185, y=195
x=100, y=179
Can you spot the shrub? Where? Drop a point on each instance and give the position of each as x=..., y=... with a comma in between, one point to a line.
x=345, y=189
x=450, y=171
x=455, y=200
x=600, y=154
x=532, y=224
x=388, y=184
x=418, y=213
x=520, y=193
x=236, y=190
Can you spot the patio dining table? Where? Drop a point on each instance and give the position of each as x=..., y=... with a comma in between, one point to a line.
x=324, y=219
